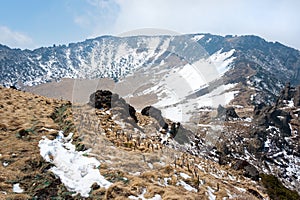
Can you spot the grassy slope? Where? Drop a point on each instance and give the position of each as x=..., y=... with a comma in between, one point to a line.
x=26, y=117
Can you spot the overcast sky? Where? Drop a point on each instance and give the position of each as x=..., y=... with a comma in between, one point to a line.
x=35, y=23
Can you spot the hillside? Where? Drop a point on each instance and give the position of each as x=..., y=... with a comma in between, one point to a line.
x=154, y=171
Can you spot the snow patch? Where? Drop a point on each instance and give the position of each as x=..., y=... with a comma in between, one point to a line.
x=192, y=76
x=166, y=181
x=217, y=96
x=289, y=103
x=267, y=143
x=150, y=165
x=76, y=171
x=209, y=39
x=210, y=192
x=248, y=119
x=141, y=196
x=197, y=37
x=184, y=175
x=240, y=189
x=17, y=188
x=187, y=186
x=222, y=60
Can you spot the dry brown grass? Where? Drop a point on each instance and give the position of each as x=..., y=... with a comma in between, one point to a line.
x=25, y=118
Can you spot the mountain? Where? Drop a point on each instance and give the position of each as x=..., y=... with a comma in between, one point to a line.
x=227, y=105
x=177, y=74
x=248, y=60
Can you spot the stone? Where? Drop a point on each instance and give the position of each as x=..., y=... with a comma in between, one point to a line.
x=226, y=114
x=156, y=114
x=105, y=99
x=248, y=170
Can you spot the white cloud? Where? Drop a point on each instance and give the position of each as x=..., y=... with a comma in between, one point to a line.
x=96, y=17
x=82, y=21
x=14, y=39
x=273, y=20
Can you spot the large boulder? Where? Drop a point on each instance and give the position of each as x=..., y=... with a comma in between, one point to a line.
x=289, y=93
x=101, y=99
x=248, y=170
x=175, y=129
x=156, y=114
x=105, y=99
x=226, y=114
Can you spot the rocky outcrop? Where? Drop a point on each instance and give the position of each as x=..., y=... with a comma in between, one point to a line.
x=104, y=99
x=226, y=114
x=176, y=131
x=274, y=115
x=156, y=114
x=248, y=170
x=297, y=97
x=287, y=94
x=180, y=134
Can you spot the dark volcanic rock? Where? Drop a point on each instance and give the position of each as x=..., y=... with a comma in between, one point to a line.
x=101, y=99
x=287, y=94
x=176, y=130
x=297, y=97
x=249, y=170
x=272, y=116
x=156, y=114
x=104, y=99
x=180, y=134
x=258, y=109
x=226, y=114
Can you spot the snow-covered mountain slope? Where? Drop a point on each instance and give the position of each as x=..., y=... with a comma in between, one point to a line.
x=105, y=56
x=251, y=60
x=175, y=88
x=178, y=74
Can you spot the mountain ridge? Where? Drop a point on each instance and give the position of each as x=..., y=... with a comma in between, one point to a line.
x=216, y=43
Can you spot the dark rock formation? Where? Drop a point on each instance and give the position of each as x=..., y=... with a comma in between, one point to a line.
x=156, y=114
x=248, y=170
x=273, y=116
x=287, y=94
x=178, y=132
x=101, y=99
x=104, y=99
x=258, y=108
x=297, y=97
x=13, y=87
x=174, y=128
x=226, y=114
